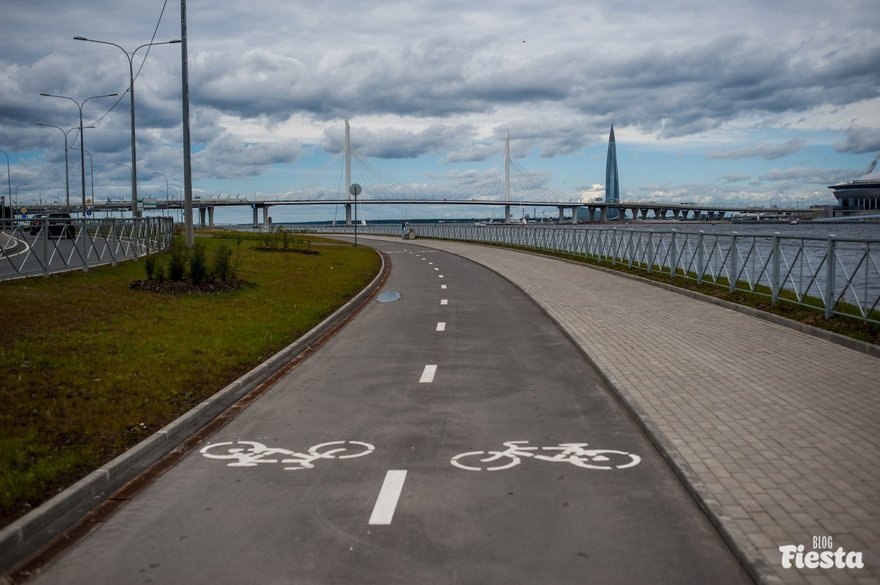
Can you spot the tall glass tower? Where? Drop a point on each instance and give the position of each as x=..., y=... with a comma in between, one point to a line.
x=612, y=184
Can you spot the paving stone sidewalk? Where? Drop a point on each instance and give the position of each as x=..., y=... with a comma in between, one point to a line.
x=777, y=431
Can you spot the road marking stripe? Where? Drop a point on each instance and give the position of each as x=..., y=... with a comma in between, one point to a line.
x=444, y=301
x=443, y=286
x=428, y=374
x=386, y=503
x=439, y=276
x=441, y=326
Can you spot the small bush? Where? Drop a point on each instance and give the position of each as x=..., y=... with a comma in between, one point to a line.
x=150, y=266
x=198, y=264
x=159, y=271
x=177, y=262
x=223, y=269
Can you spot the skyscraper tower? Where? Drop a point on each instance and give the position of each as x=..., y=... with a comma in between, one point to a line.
x=612, y=184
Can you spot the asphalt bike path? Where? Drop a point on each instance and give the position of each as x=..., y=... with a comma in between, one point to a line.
x=454, y=435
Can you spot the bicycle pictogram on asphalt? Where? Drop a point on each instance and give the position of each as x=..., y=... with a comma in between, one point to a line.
x=516, y=451
x=252, y=453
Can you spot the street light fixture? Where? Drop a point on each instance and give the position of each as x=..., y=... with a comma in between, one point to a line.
x=66, y=148
x=166, y=183
x=130, y=57
x=82, y=148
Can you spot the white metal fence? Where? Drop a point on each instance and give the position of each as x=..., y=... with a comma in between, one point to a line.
x=839, y=276
x=44, y=246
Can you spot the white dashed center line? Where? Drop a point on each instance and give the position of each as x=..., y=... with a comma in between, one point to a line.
x=386, y=503
x=441, y=326
x=443, y=286
x=428, y=374
x=444, y=301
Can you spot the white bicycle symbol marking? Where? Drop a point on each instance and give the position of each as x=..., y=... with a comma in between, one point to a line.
x=573, y=453
x=251, y=453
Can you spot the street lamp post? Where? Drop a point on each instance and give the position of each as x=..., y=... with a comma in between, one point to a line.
x=91, y=174
x=82, y=148
x=130, y=57
x=355, y=189
x=180, y=197
x=166, y=183
x=166, y=188
x=66, y=148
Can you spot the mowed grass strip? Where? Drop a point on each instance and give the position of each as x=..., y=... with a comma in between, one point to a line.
x=89, y=367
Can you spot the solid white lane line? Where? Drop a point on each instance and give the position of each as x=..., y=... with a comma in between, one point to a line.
x=444, y=301
x=441, y=326
x=386, y=503
x=428, y=374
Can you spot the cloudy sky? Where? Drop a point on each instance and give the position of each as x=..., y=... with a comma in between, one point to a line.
x=712, y=101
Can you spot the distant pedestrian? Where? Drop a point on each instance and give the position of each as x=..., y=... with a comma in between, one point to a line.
x=403, y=229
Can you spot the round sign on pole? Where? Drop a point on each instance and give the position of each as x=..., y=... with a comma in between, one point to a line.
x=355, y=190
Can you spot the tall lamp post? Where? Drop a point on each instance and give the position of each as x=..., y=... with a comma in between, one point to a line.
x=82, y=148
x=166, y=183
x=130, y=57
x=66, y=148
x=166, y=188
x=91, y=174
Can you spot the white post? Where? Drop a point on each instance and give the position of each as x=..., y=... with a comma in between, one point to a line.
x=507, y=167
x=347, y=152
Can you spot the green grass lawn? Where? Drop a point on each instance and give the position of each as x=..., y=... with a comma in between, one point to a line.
x=89, y=366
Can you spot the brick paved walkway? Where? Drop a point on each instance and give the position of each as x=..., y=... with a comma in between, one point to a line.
x=778, y=432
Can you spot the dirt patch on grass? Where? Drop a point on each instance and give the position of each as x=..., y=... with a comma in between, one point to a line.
x=170, y=287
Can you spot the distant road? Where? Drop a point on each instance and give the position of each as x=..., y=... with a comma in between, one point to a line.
x=26, y=255
x=372, y=463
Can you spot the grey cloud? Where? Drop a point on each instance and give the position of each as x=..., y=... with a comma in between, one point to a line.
x=679, y=92
x=393, y=143
x=765, y=151
x=228, y=157
x=860, y=139
x=473, y=153
x=735, y=178
x=802, y=175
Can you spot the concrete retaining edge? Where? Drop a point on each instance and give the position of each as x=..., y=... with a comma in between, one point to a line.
x=27, y=536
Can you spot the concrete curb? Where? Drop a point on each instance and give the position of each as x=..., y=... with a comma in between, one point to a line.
x=31, y=533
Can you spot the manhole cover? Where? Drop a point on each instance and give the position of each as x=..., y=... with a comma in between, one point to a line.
x=389, y=296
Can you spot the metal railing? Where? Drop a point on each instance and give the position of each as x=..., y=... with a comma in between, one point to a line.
x=45, y=246
x=839, y=276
